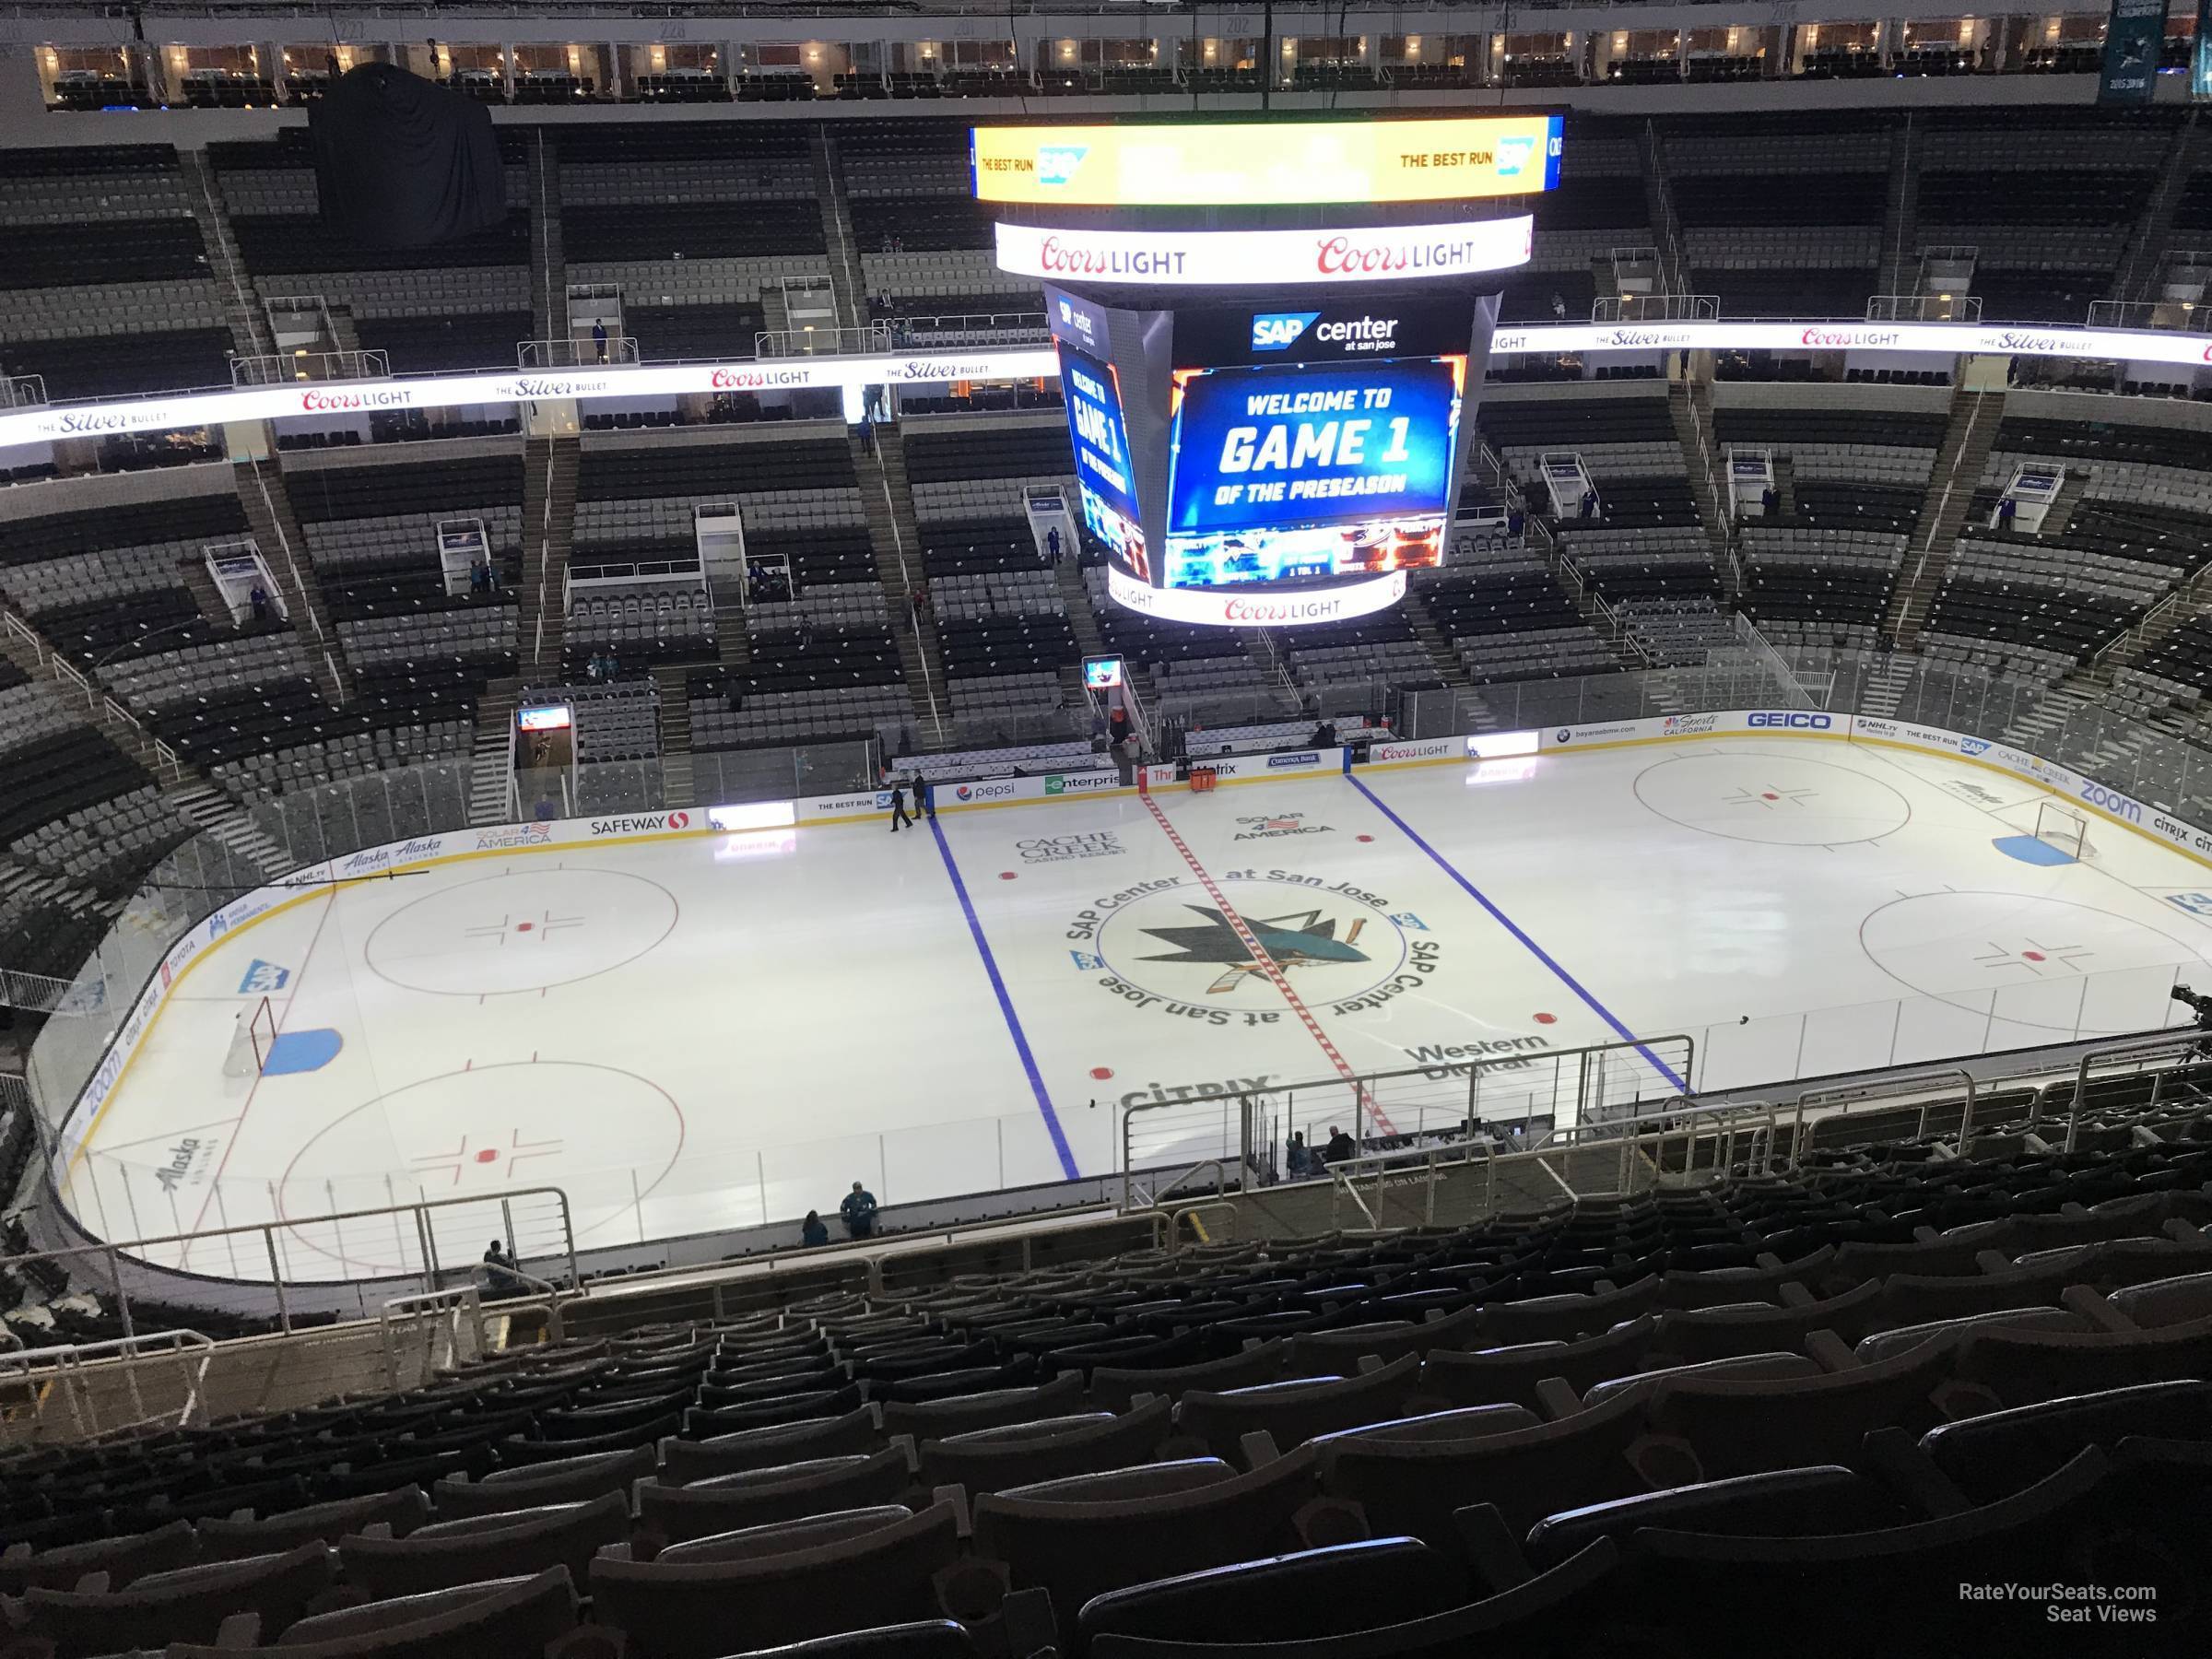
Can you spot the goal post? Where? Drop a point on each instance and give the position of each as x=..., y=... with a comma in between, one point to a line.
x=251, y=1037
x=2061, y=828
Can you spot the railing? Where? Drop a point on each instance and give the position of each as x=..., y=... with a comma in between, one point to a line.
x=284, y=544
x=1950, y=482
x=1656, y=308
x=2183, y=316
x=837, y=341
x=76, y=1371
x=21, y=391
x=1926, y=307
x=1425, y=1164
x=1512, y=1083
x=316, y=1264
x=618, y=351
x=918, y=331
x=283, y=368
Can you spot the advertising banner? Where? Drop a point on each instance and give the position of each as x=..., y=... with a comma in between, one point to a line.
x=1274, y=258
x=49, y=423
x=1258, y=164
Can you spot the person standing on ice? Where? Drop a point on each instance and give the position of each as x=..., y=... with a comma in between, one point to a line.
x=899, y=804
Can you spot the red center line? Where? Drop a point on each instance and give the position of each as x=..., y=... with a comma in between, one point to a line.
x=1271, y=967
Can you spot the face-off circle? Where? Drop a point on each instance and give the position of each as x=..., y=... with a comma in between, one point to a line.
x=1178, y=945
x=1782, y=800
x=520, y=931
x=487, y=1131
x=1959, y=947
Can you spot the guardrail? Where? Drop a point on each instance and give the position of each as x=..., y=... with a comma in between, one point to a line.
x=286, y=368
x=72, y=1373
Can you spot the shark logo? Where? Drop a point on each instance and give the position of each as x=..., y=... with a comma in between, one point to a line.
x=1299, y=940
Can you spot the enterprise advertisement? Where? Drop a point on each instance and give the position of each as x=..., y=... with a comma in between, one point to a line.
x=1100, y=435
x=1311, y=469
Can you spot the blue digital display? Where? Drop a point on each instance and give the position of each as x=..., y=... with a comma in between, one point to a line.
x=1311, y=469
x=1101, y=439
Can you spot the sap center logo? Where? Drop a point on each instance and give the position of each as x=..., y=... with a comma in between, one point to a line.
x=1057, y=163
x=1277, y=330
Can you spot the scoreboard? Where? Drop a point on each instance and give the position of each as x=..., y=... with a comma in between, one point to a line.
x=1222, y=448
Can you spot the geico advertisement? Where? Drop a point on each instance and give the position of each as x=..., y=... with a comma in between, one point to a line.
x=1253, y=163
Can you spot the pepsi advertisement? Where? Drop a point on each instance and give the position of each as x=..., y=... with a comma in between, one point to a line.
x=1101, y=439
x=1317, y=469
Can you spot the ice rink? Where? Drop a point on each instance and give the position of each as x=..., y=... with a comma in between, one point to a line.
x=718, y=1031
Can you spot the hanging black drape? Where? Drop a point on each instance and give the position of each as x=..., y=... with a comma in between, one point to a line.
x=402, y=162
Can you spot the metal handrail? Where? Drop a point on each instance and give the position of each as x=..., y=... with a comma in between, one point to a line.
x=1176, y=1216
x=68, y=1364
x=117, y=1252
x=452, y=1304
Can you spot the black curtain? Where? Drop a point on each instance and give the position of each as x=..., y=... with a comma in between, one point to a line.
x=402, y=162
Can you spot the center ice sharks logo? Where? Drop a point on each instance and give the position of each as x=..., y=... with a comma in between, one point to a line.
x=1301, y=940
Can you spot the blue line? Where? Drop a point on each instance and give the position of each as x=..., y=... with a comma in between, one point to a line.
x=1006, y=1006
x=1533, y=949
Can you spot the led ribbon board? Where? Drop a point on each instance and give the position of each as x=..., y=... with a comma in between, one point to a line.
x=1262, y=164
x=1266, y=258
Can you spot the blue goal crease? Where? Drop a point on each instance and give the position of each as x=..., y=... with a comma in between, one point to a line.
x=1527, y=943
x=1006, y=1006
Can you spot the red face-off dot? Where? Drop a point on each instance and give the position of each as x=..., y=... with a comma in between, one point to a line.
x=1770, y=795
x=2033, y=956
x=522, y=927
x=1008, y=875
x=1102, y=1072
x=1547, y=1019
x=1367, y=838
x=489, y=1155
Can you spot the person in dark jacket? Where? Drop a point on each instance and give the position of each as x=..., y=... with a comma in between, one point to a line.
x=899, y=815
x=812, y=1231
x=925, y=804
x=1340, y=1146
x=859, y=1211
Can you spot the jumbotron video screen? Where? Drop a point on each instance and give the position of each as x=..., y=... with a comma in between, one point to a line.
x=1310, y=469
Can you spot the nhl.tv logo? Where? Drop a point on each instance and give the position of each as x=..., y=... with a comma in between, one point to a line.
x=1277, y=330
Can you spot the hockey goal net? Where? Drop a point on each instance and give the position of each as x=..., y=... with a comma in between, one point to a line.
x=250, y=1039
x=2061, y=828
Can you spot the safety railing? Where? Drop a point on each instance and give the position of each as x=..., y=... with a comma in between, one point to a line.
x=314, y=1264
x=21, y=391
x=1424, y=1164
x=617, y=351
x=450, y=1323
x=82, y=1377
x=839, y=340
x=1924, y=308
x=284, y=544
x=284, y=366
x=1656, y=308
x=2182, y=317
x=1516, y=1086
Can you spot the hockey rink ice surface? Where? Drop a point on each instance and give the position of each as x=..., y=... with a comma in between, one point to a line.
x=705, y=1031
